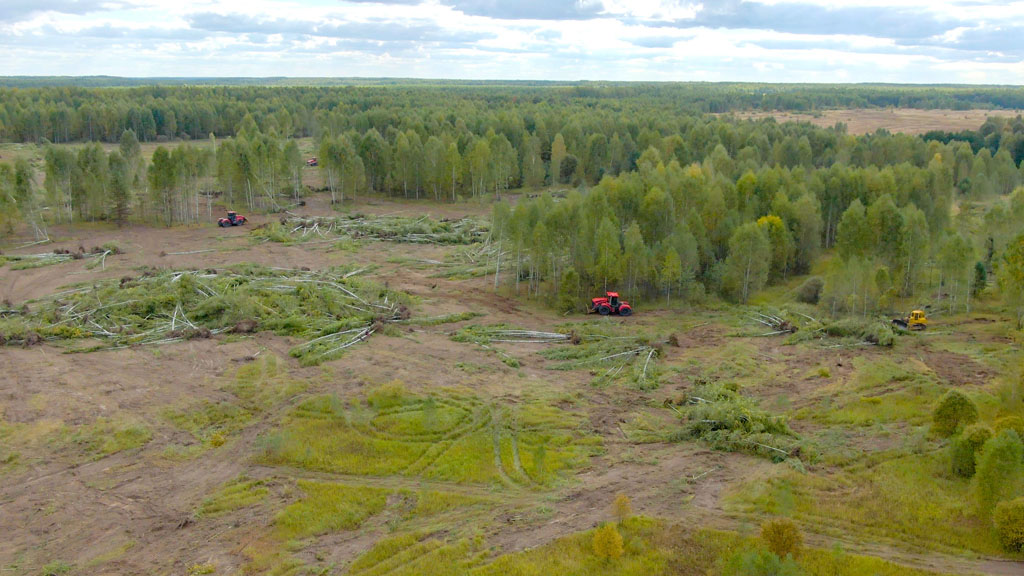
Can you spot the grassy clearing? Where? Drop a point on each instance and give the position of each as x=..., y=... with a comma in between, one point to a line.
x=210, y=422
x=651, y=547
x=264, y=384
x=445, y=437
x=432, y=503
x=883, y=390
x=331, y=310
x=239, y=493
x=328, y=507
x=911, y=498
x=105, y=436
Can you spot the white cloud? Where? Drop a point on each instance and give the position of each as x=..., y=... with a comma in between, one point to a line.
x=764, y=40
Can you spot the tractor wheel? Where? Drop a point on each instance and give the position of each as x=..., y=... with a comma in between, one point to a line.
x=223, y=224
x=604, y=310
x=625, y=311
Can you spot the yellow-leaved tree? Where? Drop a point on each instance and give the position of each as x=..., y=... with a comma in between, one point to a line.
x=608, y=542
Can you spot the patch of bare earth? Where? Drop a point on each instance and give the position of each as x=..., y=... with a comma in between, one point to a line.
x=905, y=120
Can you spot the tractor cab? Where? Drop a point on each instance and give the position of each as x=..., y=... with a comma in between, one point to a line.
x=613, y=299
x=233, y=216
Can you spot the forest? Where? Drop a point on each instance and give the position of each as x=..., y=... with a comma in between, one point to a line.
x=625, y=185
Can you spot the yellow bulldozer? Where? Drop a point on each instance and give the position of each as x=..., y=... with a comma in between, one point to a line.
x=916, y=321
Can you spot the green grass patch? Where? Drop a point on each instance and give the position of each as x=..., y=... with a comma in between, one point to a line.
x=432, y=503
x=239, y=493
x=264, y=384
x=885, y=390
x=446, y=437
x=209, y=421
x=105, y=437
x=911, y=498
x=328, y=507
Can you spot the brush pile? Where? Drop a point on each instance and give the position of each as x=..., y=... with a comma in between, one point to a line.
x=777, y=324
x=330, y=310
x=422, y=230
x=727, y=420
x=60, y=255
x=609, y=353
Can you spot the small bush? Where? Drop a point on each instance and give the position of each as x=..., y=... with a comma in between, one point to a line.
x=965, y=449
x=622, y=508
x=954, y=411
x=1015, y=423
x=760, y=563
x=1009, y=519
x=782, y=537
x=810, y=291
x=998, y=470
x=608, y=542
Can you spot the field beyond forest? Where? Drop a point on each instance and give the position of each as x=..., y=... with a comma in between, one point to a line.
x=398, y=383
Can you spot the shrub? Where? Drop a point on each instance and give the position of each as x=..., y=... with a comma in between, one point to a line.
x=782, y=537
x=1015, y=423
x=1009, y=519
x=997, y=470
x=953, y=411
x=810, y=291
x=622, y=508
x=965, y=449
x=760, y=563
x=608, y=542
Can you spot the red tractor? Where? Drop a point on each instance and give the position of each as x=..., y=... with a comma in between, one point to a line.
x=312, y=162
x=610, y=304
x=233, y=219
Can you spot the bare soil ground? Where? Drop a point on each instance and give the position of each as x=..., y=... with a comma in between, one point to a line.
x=134, y=512
x=906, y=120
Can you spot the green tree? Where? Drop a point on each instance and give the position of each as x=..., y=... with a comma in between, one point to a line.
x=120, y=187
x=854, y=235
x=998, y=471
x=558, y=153
x=954, y=411
x=1011, y=277
x=533, y=165
x=568, y=291
x=607, y=542
x=671, y=272
x=782, y=246
x=609, y=253
x=748, y=263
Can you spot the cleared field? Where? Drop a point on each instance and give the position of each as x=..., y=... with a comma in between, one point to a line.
x=443, y=445
x=905, y=120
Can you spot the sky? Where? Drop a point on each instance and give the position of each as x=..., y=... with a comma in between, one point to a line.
x=901, y=41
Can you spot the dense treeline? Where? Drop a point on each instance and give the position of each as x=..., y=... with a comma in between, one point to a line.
x=71, y=112
x=649, y=196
